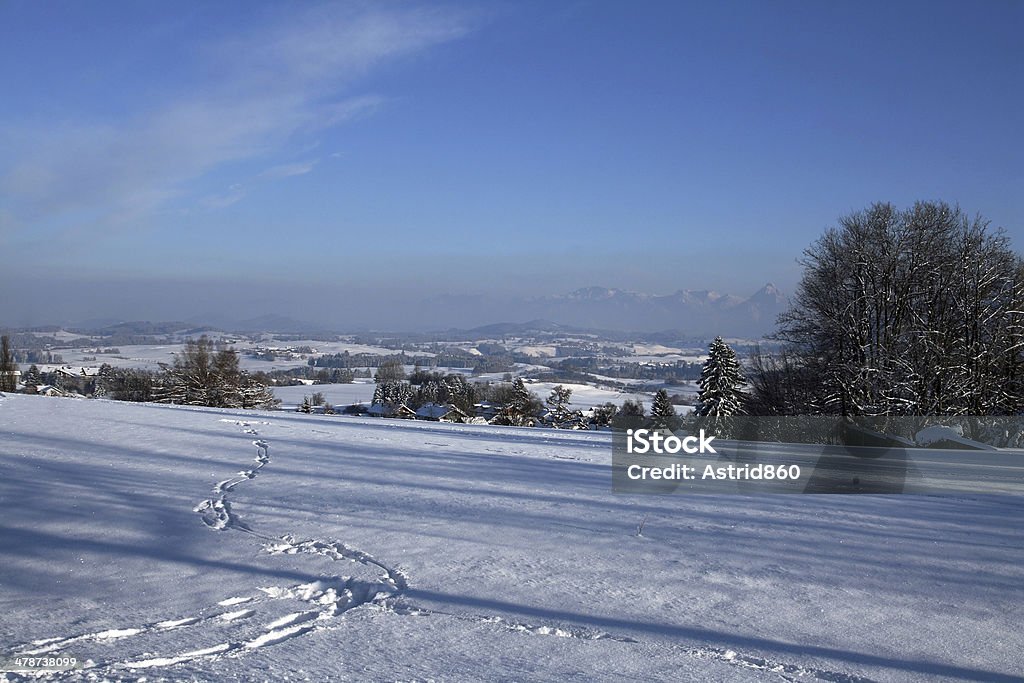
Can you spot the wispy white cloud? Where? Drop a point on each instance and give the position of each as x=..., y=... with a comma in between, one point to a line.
x=239, y=191
x=234, y=194
x=292, y=78
x=289, y=170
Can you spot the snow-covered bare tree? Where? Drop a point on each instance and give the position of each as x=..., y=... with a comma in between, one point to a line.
x=919, y=311
x=779, y=385
x=390, y=371
x=202, y=375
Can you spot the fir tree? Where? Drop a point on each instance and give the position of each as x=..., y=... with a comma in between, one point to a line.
x=519, y=409
x=32, y=377
x=255, y=394
x=602, y=415
x=558, y=406
x=663, y=413
x=720, y=382
x=391, y=394
x=7, y=366
x=461, y=393
x=630, y=415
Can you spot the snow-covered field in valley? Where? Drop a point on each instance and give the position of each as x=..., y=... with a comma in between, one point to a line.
x=340, y=395
x=166, y=543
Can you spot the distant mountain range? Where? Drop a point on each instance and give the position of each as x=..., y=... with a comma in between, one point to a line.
x=698, y=313
x=701, y=312
x=693, y=312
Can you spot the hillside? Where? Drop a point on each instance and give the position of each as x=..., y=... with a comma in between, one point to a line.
x=201, y=544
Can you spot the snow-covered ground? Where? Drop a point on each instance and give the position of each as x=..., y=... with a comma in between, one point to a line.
x=197, y=544
x=147, y=356
x=360, y=391
x=585, y=396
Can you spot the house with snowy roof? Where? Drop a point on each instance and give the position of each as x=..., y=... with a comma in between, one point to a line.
x=437, y=412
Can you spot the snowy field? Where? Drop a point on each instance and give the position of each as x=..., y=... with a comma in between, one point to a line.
x=165, y=543
x=585, y=396
x=360, y=391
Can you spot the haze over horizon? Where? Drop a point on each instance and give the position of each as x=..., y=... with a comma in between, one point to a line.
x=237, y=307
x=349, y=161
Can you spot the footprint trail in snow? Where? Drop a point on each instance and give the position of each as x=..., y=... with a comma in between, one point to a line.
x=318, y=603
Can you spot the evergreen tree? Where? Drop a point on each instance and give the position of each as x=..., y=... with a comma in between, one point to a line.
x=391, y=394
x=520, y=408
x=720, y=382
x=461, y=394
x=630, y=415
x=663, y=413
x=557, y=402
x=32, y=377
x=256, y=394
x=7, y=366
x=428, y=392
x=602, y=415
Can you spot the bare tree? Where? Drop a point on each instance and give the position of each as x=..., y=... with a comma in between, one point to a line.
x=204, y=375
x=919, y=311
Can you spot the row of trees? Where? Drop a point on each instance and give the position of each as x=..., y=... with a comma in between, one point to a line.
x=516, y=405
x=912, y=312
x=201, y=375
x=899, y=312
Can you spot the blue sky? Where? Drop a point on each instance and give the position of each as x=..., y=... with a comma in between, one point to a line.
x=482, y=148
